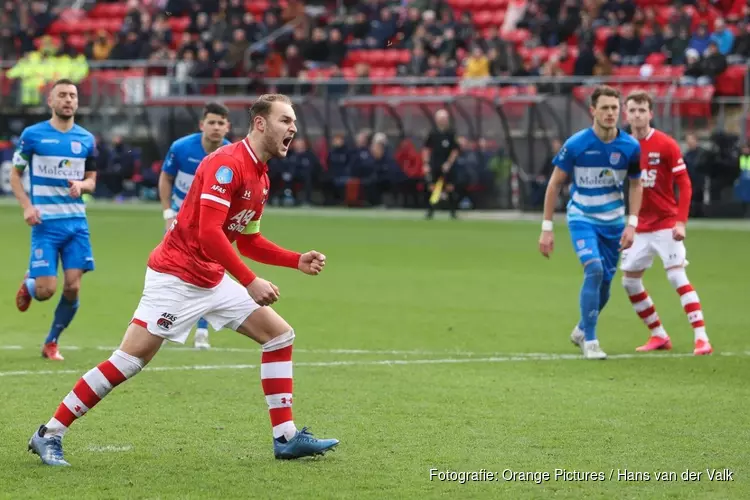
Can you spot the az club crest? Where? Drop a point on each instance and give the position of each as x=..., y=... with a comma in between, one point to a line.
x=166, y=321
x=614, y=158
x=76, y=147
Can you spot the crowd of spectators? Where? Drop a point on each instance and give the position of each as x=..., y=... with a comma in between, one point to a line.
x=443, y=41
x=590, y=37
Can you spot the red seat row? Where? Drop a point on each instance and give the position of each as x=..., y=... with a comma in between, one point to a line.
x=687, y=101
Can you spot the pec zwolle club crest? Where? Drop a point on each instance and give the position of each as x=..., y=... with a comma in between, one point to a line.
x=614, y=158
x=76, y=147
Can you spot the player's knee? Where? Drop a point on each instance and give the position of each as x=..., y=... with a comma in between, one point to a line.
x=127, y=364
x=677, y=277
x=632, y=285
x=44, y=292
x=594, y=271
x=71, y=289
x=285, y=339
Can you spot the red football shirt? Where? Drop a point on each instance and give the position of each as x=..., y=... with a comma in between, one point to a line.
x=661, y=164
x=231, y=176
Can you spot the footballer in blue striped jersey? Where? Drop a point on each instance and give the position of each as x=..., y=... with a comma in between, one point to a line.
x=61, y=158
x=596, y=161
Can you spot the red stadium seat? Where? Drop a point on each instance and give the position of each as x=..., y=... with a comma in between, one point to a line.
x=664, y=14
x=257, y=7
x=694, y=102
x=478, y=5
x=178, y=24
x=483, y=19
x=582, y=93
x=517, y=36
x=498, y=18
x=629, y=72
x=732, y=81
x=656, y=59
x=109, y=10
x=601, y=36
x=348, y=73
x=461, y=5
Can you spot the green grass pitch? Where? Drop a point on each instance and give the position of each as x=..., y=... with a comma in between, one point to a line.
x=424, y=345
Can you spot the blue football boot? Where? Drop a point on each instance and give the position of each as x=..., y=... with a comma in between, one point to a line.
x=49, y=449
x=303, y=444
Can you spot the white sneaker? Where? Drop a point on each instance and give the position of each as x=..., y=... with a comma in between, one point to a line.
x=201, y=339
x=592, y=350
x=577, y=337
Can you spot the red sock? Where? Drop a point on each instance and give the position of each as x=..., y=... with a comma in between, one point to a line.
x=644, y=306
x=91, y=388
x=690, y=301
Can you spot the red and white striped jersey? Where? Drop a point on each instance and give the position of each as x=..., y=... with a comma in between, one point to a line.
x=231, y=177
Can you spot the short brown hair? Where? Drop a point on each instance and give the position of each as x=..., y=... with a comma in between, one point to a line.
x=603, y=90
x=639, y=97
x=215, y=108
x=262, y=106
x=63, y=81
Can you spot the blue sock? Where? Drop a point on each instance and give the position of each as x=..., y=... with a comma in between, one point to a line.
x=64, y=313
x=604, y=294
x=593, y=275
x=31, y=286
x=202, y=323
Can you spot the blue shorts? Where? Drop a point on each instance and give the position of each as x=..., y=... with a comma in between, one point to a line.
x=591, y=242
x=64, y=239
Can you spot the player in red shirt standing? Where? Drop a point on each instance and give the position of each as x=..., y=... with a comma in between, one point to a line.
x=661, y=227
x=186, y=280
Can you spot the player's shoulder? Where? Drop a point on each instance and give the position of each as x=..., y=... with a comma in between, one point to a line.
x=83, y=133
x=628, y=141
x=580, y=140
x=36, y=129
x=225, y=156
x=187, y=141
x=664, y=138
x=626, y=138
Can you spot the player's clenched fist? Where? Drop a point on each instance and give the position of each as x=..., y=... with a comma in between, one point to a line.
x=312, y=262
x=626, y=241
x=263, y=292
x=76, y=188
x=32, y=216
x=678, y=231
x=547, y=243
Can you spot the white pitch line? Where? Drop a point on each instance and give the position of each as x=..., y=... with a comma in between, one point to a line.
x=110, y=448
x=257, y=350
x=385, y=362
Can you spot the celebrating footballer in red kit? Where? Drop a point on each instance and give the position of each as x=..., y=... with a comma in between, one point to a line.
x=186, y=279
x=661, y=227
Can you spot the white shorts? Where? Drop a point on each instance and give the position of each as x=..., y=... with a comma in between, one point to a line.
x=170, y=307
x=645, y=245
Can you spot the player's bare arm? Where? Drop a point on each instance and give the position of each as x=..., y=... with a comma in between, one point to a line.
x=166, y=185
x=547, y=239
x=635, y=197
x=30, y=212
